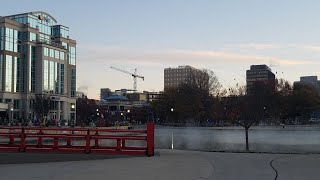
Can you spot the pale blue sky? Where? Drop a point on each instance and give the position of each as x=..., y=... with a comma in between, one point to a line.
x=224, y=36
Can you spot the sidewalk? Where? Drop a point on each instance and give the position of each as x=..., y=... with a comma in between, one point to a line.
x=170, y=165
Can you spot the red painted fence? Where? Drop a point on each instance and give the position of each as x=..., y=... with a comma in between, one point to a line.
x=21, y=138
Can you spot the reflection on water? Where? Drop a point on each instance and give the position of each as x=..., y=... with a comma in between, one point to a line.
x=293, y=140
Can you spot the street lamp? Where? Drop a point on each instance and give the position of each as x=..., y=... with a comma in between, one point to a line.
x=128, y=111
x=171, y=109
x=72, y=115
x=11, y=115
x=121, y=115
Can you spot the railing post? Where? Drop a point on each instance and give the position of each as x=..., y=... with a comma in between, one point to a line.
x=69, y=139
x=96, y=140
x=55, y=143
x=22, y=141
x=150, y=139
x=118, y=144
x=87, y=150
x=40, y=139
x=123, y=143
x=11, y=141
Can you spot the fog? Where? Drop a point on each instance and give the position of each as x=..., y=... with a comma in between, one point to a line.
x=275, y=139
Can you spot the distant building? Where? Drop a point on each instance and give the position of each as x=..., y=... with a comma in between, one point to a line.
x=308, y=80
x=104, y=93
x=80, y=94
x=260, y=79
x=152, y=96
x=173, y=77
x=136, y=96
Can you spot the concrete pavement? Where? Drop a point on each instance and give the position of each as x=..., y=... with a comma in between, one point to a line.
x=171, y=165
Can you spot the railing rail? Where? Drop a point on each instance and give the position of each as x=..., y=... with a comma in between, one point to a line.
x=89, y=136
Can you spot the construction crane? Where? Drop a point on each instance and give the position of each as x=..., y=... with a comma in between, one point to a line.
x=134, y=75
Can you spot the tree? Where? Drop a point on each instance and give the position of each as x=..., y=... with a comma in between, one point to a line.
x=86, y=109
x=244, y=110
x=83, y=110
x=191, y=102
x=40, y=104
x=305, y=100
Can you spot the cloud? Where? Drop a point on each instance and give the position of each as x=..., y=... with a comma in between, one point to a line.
x=256, y=46
x=147, y=57
x=275, y=46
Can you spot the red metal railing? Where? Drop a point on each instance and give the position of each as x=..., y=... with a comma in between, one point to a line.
x=29, y=139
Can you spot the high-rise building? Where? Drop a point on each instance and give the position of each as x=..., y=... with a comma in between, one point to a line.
x=37, y=56
x=173, y=77
x=260, y=79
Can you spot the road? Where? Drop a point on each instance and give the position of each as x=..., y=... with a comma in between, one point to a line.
x=167, y=164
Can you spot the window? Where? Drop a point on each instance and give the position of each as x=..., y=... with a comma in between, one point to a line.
x=62, y=55
x=17, y=71
x=51, y=77
x=56, y=54
x=45, y=75
x=11, y=40
x=8, y=76
x=32, y=69
x=62, y=79
x=33, y=37
x=57, y=80
x=51, y=53
x=16, y=104
x=72, y=55
x=1, y=80
x=2, y=38
x=46, y=51
x=65, y=45
x=73, y=82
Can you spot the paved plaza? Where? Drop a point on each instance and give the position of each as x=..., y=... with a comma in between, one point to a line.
x=166, y=165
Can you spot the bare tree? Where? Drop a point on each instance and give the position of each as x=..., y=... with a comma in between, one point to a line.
x=205, y=80
x=40, y=104
x=244, y=110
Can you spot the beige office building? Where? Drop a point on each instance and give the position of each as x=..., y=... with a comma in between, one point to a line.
x=37, y=56
x=173, y=77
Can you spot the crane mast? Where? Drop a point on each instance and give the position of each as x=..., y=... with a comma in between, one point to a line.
x=134, y=75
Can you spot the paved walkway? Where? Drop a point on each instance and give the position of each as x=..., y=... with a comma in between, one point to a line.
x=167, y=165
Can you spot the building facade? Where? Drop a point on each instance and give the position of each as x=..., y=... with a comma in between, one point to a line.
x=260, y=79
x=37, y=56
x=104, y=93
x=173, y=77
x=309, y=81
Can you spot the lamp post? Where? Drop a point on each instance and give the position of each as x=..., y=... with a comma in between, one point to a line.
x=72, y=112
x=11, y=116
x=128, y=111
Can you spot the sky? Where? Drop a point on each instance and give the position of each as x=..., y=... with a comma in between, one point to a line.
x=223, y=36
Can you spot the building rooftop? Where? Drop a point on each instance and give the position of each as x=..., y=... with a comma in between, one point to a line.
x=259, y=67
x=181, y=67
x=116, y=98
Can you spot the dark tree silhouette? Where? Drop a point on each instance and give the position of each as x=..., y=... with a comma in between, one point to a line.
x=40, y=104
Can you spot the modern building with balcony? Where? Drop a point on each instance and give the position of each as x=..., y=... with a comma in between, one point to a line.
x=37, y=56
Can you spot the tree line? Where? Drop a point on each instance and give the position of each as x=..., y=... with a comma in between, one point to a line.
x=203, y=102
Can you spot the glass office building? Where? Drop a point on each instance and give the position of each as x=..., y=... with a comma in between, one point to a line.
x=37, y=56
